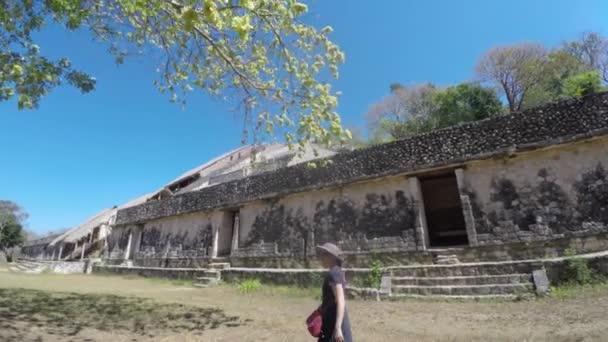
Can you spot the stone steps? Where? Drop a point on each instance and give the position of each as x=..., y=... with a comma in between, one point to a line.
x=206, y=281
x=31, y=267
x=219, y=265
x=463, y=280
x=464, y=290
x=506, y=297
x=211, y=277
x=455, y=270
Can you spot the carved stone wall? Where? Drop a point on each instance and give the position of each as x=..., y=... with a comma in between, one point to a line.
x=373, y=216
x=540, y=195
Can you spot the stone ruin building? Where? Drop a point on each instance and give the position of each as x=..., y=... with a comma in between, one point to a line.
x=525, y=186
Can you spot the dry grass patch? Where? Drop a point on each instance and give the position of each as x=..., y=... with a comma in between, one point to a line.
x=273, y=313
x=66, y=314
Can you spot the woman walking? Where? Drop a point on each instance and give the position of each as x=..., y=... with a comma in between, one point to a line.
x=336, y=325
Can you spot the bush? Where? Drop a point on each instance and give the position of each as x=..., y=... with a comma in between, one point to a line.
x=250, y=285
x=583, y=84
x=577, y=269
x=374, y=278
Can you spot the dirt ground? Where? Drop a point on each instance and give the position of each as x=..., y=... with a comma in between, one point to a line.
x=102, y=308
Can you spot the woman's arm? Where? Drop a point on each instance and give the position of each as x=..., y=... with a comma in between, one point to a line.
x=340, y=304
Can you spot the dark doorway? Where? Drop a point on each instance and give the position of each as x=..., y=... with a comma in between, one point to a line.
x=224, y=246
x=444, y=217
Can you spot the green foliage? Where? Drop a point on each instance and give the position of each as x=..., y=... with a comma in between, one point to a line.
x=465, y=102
x=583, y=84
x=574, y=290
x=374, y=276
x=560, y=66
x=11, y=230
x=250, y=285
x=257, y=54
x=577, y=269
x=11, y=235
x=25, y=74
x=414, y=110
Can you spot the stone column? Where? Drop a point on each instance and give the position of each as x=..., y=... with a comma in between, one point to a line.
x=73, y=254
x=467, y=210
x=60, y=252
x=128, y=249
x=53, y=255
x=84, y=247
x=215, y=237
x=422, y=231
x=135, y=246
x=235, y=233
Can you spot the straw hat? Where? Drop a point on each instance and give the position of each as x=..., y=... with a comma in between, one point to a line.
x=332, y=249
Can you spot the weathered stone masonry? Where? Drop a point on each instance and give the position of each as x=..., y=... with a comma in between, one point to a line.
x=534, y=175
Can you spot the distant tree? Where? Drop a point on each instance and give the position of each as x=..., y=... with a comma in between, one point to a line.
x=11, y=212
x=514, y=69
x=404, y=112
x=463, y=103
x=560, y=66
x=583, y=84
x=11, y=230
x=417, y=109
x=592, y=49
x=12, y=235
x=259, y=55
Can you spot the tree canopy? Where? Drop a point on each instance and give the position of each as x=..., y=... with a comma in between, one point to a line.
x=515, y=69
x=529, y=75
x=11, y=230
x=259, y=55
x=411, y=110
x=524, y=75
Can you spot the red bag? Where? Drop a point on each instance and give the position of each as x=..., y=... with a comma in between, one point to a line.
x=314, y=323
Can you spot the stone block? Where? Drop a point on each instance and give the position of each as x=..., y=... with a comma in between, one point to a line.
x=541, y=282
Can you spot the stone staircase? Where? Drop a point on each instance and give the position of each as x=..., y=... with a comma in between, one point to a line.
x=461, y=280
x=28, y=266
x=212, y=275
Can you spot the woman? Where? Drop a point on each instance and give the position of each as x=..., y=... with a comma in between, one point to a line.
x=336, y=326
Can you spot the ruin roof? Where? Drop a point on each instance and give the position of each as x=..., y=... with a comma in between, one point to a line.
x=236, y=164
x=103, y=217
x=41, y=241
x=547, y=125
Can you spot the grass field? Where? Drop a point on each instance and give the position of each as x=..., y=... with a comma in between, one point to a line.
x=52, y=307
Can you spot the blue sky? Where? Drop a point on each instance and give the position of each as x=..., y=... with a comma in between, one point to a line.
x=78, y=154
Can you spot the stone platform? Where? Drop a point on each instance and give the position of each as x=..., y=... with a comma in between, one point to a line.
x=492, y=279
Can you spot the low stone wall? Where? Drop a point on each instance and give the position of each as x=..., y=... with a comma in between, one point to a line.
x=152, y=272
x=513, y=251
x=67, y=267
x=290, y=277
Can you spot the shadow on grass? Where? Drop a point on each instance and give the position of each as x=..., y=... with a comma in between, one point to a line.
x=66, y=314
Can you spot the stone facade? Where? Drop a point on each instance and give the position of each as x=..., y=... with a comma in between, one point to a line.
x=540, y=127
x=528, y=177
